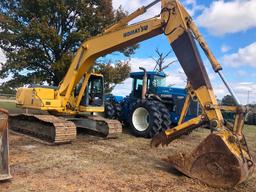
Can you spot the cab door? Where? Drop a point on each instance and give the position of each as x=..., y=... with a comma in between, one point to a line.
x=93, y=97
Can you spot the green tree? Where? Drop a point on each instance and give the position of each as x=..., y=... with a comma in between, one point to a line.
x=39, y=37
x=7, y=90
x=228, y=100
x=113, y=73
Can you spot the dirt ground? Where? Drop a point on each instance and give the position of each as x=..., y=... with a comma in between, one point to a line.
x=95, y=164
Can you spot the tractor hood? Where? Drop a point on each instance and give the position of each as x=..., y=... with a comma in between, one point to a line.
x=169, y=91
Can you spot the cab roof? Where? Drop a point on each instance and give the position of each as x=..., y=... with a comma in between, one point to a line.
x=150, y=74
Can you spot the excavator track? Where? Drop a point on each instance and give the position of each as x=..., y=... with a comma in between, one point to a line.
x=47, y=129
x=107, y=128
x=114, y=126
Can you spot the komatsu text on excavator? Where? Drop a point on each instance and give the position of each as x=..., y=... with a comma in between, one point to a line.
x=221, y=160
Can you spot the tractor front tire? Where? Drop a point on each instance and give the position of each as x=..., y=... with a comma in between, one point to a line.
x=118, y=111
x=109, y=110
x=145, y=119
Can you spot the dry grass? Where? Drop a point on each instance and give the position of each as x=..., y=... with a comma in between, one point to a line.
x=94, y=164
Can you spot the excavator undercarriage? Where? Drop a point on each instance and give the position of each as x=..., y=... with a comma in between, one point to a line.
x=47, y=129
x=54, y=130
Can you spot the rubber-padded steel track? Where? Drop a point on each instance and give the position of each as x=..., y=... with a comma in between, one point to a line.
x=108, y=128
x=47, y=129
x=114, y=126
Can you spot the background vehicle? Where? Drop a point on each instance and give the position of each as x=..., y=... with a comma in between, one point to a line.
x=250, y=117
x=166, y=102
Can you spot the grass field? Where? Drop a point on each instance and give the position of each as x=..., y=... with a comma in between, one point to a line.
x=11, y=107
x=94, y=164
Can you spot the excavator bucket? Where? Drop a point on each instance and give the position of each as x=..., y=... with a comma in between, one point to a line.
x=219, y=161
x=4, y=146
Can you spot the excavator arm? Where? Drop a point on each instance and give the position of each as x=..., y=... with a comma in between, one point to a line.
x=223, y=159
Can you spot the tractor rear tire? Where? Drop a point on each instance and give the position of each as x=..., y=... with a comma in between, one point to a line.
x=165, y=115
x=109, y=110
x=145, y=119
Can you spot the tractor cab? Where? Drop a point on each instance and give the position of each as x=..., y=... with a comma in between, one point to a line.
x=172, y=97
x=155, y=80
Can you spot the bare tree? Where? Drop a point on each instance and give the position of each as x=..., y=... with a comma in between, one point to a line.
x=161, y=60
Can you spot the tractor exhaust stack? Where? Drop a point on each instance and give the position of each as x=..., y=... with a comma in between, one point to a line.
x=145, y=81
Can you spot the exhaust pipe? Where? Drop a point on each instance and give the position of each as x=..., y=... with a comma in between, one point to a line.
x=145, y=81
x=4, y=146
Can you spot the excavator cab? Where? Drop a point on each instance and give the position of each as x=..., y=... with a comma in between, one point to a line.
x=4, y=146
x=93, y=97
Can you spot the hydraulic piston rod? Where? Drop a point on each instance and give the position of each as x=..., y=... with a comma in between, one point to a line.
x=229, y=88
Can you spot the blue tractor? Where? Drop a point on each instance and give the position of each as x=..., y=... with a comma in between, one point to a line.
x=151, y=107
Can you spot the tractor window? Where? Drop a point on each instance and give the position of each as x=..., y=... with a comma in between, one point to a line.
x=137, y=87
x=159, y=82
x=139, y=84
x=156, y=82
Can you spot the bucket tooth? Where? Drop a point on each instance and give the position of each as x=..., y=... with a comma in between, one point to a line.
x=218, y=161
x=4, y=147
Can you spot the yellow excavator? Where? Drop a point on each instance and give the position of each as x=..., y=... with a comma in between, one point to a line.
x=221, y=160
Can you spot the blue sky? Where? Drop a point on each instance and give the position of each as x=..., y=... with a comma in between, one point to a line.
x=230, y=30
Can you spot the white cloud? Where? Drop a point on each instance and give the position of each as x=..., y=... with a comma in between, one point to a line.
x=191, y=6
x=131, y=7
x=244, y=57
x=241, y=90
x=225, y=48
x=223, y=17
x=125, y=87
x=127, y=5
x=242, y=73
x=2, y=57
x=175, y=75
x=2, y=60
x=147, y=63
